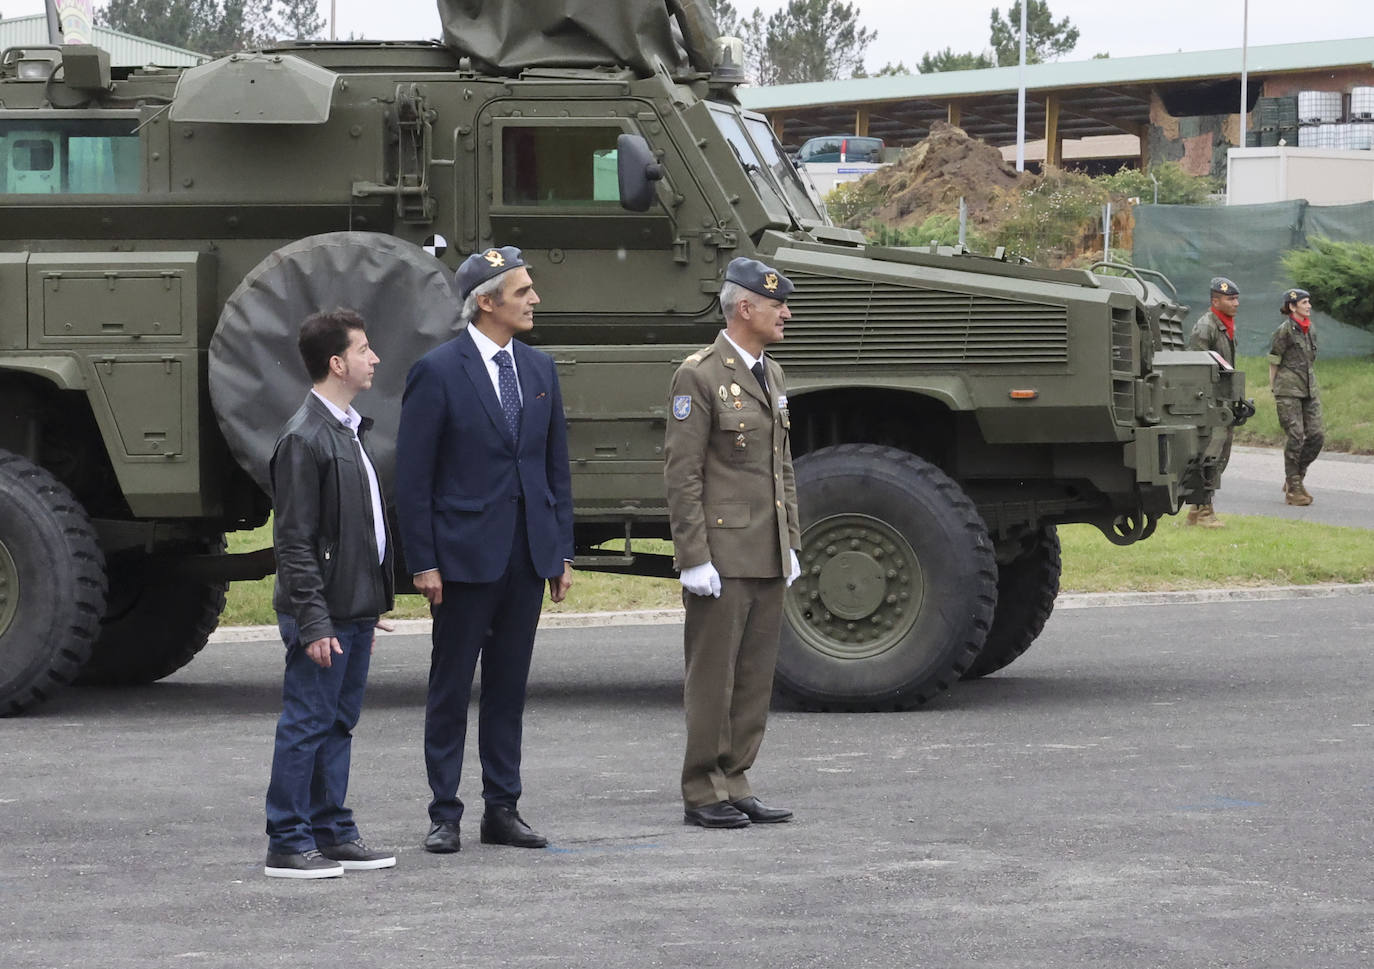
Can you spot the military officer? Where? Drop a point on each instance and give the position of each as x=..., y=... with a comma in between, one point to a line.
x=1216, y=331
x=1293, y=379
x=732, y=502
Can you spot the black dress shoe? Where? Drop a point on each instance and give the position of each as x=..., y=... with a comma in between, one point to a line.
x=503, y=826
x=443, y=838
x=718, y=815
x=760, y=813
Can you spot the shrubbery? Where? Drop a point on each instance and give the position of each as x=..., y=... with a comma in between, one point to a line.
x=1340, y=277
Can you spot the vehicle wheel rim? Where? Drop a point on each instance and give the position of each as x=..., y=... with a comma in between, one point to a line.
x=9, y=589
x=860, y=588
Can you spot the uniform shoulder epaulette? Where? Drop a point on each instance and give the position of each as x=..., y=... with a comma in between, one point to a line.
x=700, y=355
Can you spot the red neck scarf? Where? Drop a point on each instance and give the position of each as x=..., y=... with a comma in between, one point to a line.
x=1227, y=321
x=1303, y=325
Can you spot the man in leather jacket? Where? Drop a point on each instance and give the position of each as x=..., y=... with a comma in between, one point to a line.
x=334, y=580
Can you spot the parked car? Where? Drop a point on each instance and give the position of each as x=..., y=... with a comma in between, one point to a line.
x=840, y=148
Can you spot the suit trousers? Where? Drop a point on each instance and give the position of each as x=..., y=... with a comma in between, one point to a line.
x=731, y=648
x=496, y=622
x=320, y=708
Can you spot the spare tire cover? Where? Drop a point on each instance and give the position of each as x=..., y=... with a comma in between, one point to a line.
x=257, y=380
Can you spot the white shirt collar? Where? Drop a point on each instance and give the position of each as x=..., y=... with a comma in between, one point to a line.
x=748, y=358
x=486, y=346
x=350, y=418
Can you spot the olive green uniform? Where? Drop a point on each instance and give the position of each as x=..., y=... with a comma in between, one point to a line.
x=732, y=501
x=1294, y=353
x=1209, y=333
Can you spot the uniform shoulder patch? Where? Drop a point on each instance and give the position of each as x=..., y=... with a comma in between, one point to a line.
x=700, y=355
x=682, y=406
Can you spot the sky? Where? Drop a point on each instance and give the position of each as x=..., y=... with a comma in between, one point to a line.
x=908, y=28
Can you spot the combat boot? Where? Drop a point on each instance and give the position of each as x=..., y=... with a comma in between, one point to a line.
x=1194, y=512
x=1296, y=493
x=1207, y=518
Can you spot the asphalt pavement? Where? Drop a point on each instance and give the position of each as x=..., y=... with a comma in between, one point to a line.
x=1341, y=484
x=1171, y=785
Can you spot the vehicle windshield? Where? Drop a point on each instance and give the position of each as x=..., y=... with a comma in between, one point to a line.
x=782, y=168
x=788, y=203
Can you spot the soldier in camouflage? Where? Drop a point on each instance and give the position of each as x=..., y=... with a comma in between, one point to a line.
x=1293, y=379
x=1216, y=331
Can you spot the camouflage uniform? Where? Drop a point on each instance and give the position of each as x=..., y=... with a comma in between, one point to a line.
x=1294, y=353
x=732, y=501
x=1209, y=333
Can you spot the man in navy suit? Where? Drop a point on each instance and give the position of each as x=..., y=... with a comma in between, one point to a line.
x=484, y=498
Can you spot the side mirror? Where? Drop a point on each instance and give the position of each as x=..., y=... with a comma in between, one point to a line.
x=636, y=170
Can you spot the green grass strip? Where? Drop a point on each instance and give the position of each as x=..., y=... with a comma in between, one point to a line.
x=1249, y=551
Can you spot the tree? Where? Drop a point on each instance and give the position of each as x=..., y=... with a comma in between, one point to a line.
x=807, y=40
x=213, y=26
x=1340, y=277
x=1046, y=40
x=947, y=60
x=813, y=40
x=300, y=19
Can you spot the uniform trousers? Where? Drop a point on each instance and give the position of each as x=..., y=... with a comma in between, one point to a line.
x=495, y=621
x=1304, y=430
x=314, y=744
x=731, y=648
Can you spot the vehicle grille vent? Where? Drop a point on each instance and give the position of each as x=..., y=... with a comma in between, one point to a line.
x=1173, y=334
x=1123, y=364
x=849, y=321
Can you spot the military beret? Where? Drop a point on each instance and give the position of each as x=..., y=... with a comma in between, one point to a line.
x=758, y=278
x=477, y=268
x=1224, y=286
x=1293, y=295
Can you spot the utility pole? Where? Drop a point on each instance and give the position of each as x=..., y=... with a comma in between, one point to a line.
x=1244, y=76
x=1021, y=99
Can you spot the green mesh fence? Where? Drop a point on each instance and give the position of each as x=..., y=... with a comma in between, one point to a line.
x=1192, y=243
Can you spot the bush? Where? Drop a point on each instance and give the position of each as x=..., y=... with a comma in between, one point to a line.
x=852, y=204
x=1057, y=218
x=1340, y=277
x=1176, y=186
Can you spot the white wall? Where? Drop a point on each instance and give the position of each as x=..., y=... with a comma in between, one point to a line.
x=1323, y=176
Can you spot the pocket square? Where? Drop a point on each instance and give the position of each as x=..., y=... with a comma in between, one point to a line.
x=537, y=396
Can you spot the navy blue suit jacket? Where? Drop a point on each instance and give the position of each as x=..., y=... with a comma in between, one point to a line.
x=459, y=474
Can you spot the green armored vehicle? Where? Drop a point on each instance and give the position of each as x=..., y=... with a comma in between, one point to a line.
x=162, y=232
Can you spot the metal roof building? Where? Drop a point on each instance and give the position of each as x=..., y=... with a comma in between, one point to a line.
x=1073, y=99
x=125, y=50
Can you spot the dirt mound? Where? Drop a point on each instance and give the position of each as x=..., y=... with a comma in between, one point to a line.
x=933, y=174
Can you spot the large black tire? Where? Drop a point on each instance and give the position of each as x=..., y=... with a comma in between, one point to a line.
x=152, y=629
x=898, y=582
x=1026, y=589
x=52, y=584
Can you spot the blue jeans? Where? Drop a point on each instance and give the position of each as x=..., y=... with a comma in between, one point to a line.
x=320, y=707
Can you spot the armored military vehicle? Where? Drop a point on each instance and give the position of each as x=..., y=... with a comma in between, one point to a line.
x=162, y=232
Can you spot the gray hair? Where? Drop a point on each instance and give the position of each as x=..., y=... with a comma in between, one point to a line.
x=490, y=287
x=730, y=295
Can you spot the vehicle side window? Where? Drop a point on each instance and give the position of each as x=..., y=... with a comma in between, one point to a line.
x=70, y=157
x=559, y=165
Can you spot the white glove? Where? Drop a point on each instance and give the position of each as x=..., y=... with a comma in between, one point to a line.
x=794, y=571
x=701, y=580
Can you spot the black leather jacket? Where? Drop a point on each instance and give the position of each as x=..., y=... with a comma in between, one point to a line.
x=322, y=529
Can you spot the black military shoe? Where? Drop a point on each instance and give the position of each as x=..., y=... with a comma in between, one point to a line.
x=718, y=815
x=503, y=826
x=443, y=838
x=760, y=813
